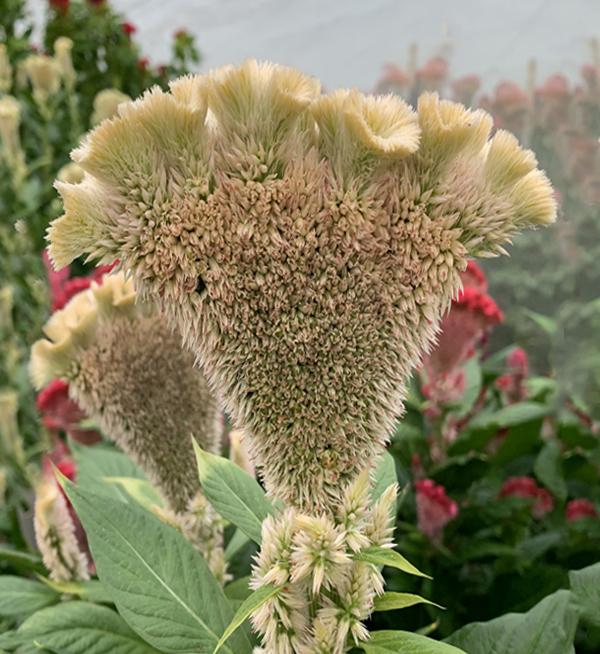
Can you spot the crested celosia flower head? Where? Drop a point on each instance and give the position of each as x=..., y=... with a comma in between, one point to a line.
x=305, y=245
x=127, y=370
x=10, y=120
x=580, y=509
x=434, y=508
x=62, y=55
x=528, y=488
x=462, y=329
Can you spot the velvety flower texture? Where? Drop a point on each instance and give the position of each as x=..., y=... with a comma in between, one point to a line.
x=304, y=244
x=434, y=508
x=127, y=370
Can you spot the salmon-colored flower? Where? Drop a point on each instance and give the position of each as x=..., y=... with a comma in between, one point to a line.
x=434, y=508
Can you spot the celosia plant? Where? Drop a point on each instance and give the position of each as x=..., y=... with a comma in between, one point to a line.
x=306, y=246
x=128, y=372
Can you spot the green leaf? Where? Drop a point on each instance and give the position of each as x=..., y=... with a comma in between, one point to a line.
x=23, y=560
x=83, y=628
x=234, y=494
x=548, y=469
x=547, y=628
x=139, y=489
x=513, y=414
x=406, y=642
x=249, y=605
x=237, y=542
x=548, y=325
x=391, y=558
x=392, y=601
x=160, y=584
x=19, y=596
x=97, y=463
x=384, y=476
x=238, y=590
x=473, y=379
x=91, y=591
x=585, y=585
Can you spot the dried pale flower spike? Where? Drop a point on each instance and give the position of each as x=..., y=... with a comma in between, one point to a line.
x=127, y=370
x=6, y=72
x=44, y=74
x=55, y=533
x=62, y=55
x=306, y=246
x=10, y=120
x=106, y=104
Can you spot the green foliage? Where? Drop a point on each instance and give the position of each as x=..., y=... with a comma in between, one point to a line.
x=160, y=584
x=20, y=596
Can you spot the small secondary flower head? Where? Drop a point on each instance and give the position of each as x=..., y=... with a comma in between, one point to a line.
x=127, y=370
x=305, y=245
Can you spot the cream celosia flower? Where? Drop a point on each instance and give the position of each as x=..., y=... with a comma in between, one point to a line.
x=306, y=246
x=55, y=534
x=62, y=54
x=44, y=73
x=106, y=104
x=10, y=439
x=128, y=371
x=10, y=120
x=325, y=594
x=5, y=70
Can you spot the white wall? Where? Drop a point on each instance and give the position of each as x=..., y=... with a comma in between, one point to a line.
x=346, y=42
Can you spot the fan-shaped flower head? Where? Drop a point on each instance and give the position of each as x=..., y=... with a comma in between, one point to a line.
x=127, y=370
x=305, y=244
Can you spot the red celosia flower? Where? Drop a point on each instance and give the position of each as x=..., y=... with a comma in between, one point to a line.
x=62, y=289
x=512, y=384
x=394, y=79
x=474, y=277
x=60, y=5
x=465, y=88
x=581, y=508
x=433, y=72
x=128, y=28
x=528, y=488
x=556, y=87
x=61, y=414
x=434, y=508
x=143, y=63
x=510, y=96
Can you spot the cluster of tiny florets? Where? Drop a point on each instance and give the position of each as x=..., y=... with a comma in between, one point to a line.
x=306, y=246
x=325, y=592
x=127, y=370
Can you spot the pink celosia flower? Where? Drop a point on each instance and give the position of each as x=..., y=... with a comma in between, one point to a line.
x=394, y=80
x=472, y=314
x=512, y=384
x=434, y=508
x=527, y=487
x=465, y=88
x=580, y=508
x=61, y=414
x=433, y=73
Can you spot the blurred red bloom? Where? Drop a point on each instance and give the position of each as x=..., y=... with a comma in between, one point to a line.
x=512, y=384
x=60, y=5
x=580, y=508
x=62, y=289
x=434, y=508
x=143, y=63
x=527, y=487
x=61, y=414
x=433, y=73
x=465, y=88
x=181, y=33
x=128, y=28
